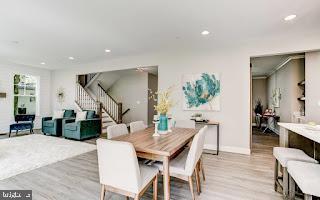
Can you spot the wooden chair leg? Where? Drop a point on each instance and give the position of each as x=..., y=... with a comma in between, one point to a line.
x=276, y=175
x=155, y=188
x=191, y=187
x=103, y=192
x=198, y=184
x=202, y=170
x=292, y=188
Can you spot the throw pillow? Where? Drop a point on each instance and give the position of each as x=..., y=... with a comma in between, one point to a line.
x=91, y=114
x=58, y=114
x=81, y=116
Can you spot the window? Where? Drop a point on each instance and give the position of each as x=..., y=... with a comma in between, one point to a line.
x=25, y=94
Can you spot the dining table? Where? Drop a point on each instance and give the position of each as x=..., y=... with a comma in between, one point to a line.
x=160, y=148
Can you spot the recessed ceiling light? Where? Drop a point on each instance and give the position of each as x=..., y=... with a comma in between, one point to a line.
x=71, y=58
x=43, y=63
x=107, y=50
x=290, y=17
x=205, y=32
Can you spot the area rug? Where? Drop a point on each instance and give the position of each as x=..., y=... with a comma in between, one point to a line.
x=25, y=153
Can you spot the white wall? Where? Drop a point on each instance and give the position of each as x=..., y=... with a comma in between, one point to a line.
x=106, y=79
x=132, y=91
x=287, y=79
x=153, y=86
x=6, y=85
x=312, y=86
x=235, y=80
x=233, y=64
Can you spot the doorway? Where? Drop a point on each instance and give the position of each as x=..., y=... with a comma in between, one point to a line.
x=277, y=95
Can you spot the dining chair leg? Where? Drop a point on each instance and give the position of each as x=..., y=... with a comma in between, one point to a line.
x=103, y=192
x=198, y=184
x=155, y=188
x=191, y=187
x=197, y=181
x=202, y=170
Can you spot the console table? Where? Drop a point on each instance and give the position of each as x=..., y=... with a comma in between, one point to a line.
x=212, y=123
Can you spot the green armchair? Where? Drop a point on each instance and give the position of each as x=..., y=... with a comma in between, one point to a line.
x=84, y=129
x=54, y=127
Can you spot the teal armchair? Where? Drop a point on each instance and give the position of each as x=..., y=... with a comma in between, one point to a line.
x=81, y=130
x=54, y=127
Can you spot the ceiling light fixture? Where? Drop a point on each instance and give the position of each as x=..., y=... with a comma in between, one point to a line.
x=205, y=32
x=290, y=17
x=43, y=63
x=107, y=50
x=141, y=69
x=71, y=58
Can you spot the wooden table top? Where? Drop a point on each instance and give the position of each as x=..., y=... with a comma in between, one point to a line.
x=163, y=145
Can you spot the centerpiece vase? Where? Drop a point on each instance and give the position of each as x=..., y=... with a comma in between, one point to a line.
x=163, y=123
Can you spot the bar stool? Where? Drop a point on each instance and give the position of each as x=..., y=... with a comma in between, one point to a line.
x=283, y=155
x=306, y=176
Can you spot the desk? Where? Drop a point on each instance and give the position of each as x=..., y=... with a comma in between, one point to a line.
x=212, y=123
x=274, y=120
x=161, y=148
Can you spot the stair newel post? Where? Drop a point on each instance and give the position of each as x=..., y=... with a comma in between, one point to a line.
x=119, y=113
x=99, y=110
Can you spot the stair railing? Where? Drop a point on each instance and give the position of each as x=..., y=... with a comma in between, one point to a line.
x=111, y=106
x=85, y=101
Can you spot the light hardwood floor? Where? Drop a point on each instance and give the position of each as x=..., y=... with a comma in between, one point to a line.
x=228, y=176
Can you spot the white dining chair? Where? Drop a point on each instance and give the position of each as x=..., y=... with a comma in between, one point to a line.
x=185, y=124
x=120, y=172
x=116, y=130
x=190, y=124
x=137, y=126
x=187, y=162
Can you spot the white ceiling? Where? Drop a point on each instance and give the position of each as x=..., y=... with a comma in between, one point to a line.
x=35, y=31
x=263, y=66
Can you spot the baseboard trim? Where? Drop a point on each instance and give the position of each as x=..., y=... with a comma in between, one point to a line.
x=228, y=149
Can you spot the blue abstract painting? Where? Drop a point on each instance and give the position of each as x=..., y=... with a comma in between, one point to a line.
x=201, y=91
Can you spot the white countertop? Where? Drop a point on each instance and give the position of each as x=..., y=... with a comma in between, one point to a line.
x=302, y=129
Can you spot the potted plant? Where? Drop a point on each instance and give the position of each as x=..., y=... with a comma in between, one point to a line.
x=164, y=104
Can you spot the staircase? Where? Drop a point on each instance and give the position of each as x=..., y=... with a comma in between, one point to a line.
x=108, y=109
x=87, y=79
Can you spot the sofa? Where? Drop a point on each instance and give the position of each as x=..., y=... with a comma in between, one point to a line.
x=84, y=129
x=54, y=126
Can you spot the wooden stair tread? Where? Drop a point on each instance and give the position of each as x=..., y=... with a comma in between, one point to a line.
x=106, y=121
